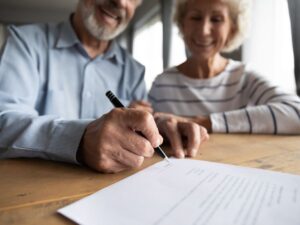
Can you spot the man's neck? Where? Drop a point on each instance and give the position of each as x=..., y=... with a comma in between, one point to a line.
x=92, y=46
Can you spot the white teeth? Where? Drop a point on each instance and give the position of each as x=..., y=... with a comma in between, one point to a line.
x=203, y=44
x=110, y=14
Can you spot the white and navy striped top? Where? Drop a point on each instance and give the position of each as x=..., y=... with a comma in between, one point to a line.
x=238, y=100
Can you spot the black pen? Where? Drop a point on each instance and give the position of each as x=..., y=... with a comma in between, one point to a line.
x=116, y=102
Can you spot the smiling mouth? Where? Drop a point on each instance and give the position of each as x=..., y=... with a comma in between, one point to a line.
x=110, y=14
x=203, y=44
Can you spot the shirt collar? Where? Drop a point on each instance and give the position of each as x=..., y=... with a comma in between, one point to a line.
x=114, y=52
x=68, y=38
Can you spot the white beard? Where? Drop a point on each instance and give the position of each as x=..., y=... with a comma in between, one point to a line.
x=100, y=32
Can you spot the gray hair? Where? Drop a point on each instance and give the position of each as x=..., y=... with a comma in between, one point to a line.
x=239, y=11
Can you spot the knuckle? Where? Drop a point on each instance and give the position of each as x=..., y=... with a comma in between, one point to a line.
x=106, y=126
x=103, y=165
x=143, y=145
x=104, y=149
x=114, y=113
x=145, y=148
x=203, y=131
x=194, y=126
x=171, y=122
x=146, y=116
x=118, y=155
x=138, y=161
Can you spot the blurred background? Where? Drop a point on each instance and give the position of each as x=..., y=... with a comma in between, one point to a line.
x=272, y=46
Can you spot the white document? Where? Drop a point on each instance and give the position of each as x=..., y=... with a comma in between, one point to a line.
x=193, y=192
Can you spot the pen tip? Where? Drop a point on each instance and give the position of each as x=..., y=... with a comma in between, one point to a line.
x=167, y=159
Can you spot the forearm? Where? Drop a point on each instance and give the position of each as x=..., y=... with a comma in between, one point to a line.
x=46, y=137
x=274, y=118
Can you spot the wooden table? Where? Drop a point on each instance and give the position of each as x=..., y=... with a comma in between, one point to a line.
x=32, y=190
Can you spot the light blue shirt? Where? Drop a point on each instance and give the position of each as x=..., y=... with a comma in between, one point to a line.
x=50, y=89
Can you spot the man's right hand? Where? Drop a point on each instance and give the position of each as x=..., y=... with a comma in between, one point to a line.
x=110, y=144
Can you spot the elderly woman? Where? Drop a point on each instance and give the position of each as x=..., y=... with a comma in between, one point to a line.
x=223, y=95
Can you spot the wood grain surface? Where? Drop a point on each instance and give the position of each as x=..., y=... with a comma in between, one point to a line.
x=32, y=189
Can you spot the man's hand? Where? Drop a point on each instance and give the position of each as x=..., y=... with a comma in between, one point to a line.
x=142, y=105
x=184, y=135
x=110, y=144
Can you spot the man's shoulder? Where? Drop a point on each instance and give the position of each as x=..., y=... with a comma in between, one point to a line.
x=34, y=33
x=29, y=29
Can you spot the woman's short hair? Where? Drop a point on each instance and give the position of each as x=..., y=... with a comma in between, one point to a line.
x=239, y=11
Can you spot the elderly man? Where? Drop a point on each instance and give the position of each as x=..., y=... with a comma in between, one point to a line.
x=53, y=79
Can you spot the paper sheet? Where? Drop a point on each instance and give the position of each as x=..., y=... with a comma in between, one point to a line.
x=193, y=192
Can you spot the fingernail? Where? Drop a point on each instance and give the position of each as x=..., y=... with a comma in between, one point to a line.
x=180, y=155
x=159, y=141
x=152, y=153
x=194, y=152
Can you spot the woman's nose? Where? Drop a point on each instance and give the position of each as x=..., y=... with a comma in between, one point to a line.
x=206, y=27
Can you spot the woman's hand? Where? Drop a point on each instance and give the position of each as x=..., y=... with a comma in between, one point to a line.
x=184, y=135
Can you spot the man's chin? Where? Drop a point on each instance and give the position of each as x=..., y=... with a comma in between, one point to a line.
x=104, y=33
x=109, y=35
x=104, y=36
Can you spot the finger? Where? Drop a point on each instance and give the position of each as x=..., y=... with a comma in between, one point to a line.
x=115, y=160
x=135, y=143
x=145, y=108
x=204, y=134
x=144, y=103
x=140, y=103
x=174, y=137
x=112, y=167
x=144, y=122
x=192, y=132
x=127, y=159
x=105, y=164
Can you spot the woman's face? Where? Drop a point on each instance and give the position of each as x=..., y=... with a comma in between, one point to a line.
x=206, y=27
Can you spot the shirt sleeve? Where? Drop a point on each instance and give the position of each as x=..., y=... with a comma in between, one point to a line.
x=23, y=132
x=268, y=110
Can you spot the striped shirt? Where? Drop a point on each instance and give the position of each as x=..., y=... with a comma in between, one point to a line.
x=238, y=100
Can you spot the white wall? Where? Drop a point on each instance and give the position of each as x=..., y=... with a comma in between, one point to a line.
x=269, y=46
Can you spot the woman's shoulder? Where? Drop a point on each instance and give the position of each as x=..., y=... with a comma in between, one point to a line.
x=167, y=74
x=243, y=69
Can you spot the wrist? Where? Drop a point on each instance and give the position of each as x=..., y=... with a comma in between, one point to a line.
x=204, y=121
